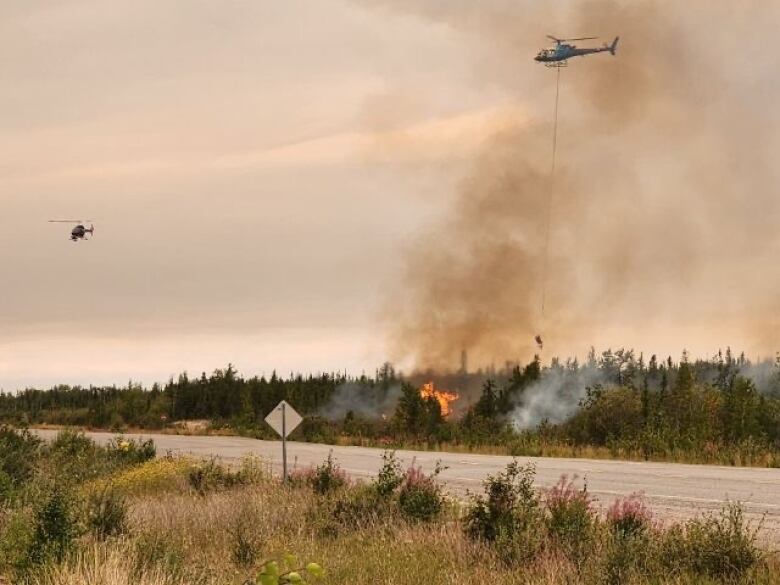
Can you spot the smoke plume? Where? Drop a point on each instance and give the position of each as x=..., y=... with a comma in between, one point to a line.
x=555, y=396
x=664, y=212
x=363, y=401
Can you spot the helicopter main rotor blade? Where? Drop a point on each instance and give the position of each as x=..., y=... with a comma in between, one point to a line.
x=552, y=38
x=68, y=220
x=582, y=39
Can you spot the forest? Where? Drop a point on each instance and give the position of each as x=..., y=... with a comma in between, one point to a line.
x=614, y=404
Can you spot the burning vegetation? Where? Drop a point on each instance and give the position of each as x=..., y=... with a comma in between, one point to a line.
x=443, y=397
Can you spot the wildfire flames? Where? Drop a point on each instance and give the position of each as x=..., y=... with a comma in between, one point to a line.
x=443, y=397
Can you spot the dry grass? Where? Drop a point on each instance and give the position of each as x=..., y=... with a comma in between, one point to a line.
x=106, y=565
x=177, y=537
x=199, y=534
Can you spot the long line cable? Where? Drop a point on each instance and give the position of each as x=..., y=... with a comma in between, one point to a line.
x=551, y=193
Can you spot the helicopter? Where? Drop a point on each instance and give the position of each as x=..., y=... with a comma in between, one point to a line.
x=558, y=55
x=79, y=232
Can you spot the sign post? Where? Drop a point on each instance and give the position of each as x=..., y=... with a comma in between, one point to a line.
x=284, y=420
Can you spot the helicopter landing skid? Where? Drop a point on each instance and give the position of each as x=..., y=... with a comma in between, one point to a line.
x=557, y=64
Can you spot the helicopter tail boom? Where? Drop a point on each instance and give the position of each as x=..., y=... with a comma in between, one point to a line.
x=613, y=46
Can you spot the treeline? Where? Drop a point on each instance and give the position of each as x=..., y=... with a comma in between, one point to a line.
x=724, y=409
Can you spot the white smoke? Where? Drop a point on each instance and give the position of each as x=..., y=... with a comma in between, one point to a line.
x=555, y=396
x=370, y=402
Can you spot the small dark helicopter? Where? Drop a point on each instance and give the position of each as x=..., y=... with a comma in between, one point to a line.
x=79, y=232
x=558, y=55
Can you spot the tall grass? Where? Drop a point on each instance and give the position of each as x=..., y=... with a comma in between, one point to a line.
x=190, y=522
x=185, y=538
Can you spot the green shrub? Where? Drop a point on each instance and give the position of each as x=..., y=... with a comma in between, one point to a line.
x=625, y=557
x=328, y=476
x=509, y=504
x=356, y=508
x=6, y=487
x=323, y=479
x=55, y=527
x=16, y=540
x=570, y=517
x=209, y=475
x=106, y=513
x=69, y=445
x=131, y=451
x=720, y=546
x=420, y=497
x=390, y=476
x=75, y=458
x=19, y=451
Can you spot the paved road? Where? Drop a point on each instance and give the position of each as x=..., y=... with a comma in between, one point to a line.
x=673, y=490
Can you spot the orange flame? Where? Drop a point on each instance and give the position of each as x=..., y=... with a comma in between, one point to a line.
x=443, y=397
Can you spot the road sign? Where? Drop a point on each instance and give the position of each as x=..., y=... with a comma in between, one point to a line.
x=283, y=419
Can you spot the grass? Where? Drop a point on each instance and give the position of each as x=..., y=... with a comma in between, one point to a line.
x=183, y=538
x=177, y=521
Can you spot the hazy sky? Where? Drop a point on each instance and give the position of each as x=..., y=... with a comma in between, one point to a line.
x=260, y=174
x=251, y=167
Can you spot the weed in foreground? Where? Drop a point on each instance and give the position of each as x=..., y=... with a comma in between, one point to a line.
x=244, y=543
x=289, y=571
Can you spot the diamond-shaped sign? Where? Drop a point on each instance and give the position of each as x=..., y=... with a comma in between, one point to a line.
x=284, y=417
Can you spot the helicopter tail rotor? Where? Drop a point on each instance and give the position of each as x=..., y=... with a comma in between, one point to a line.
x=613, y=46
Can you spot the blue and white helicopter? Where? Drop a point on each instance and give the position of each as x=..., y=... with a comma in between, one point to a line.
x=562, y=51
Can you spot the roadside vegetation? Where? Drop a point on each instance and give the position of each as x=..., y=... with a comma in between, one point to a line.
x=74, y=513
x=725, y=410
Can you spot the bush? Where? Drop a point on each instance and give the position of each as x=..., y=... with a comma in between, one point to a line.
x=131, y=451
x=205, y=476
x=55, y=527
x=356, y=508
x=19, y=451
x=570, y=517
x=510, y=502
x=106, y=513
x=6, y=487
x=722, y=546
x=16, y=542
x=75, y=457
x=390, y=477
x=420, y=497
x=70, y=445
x=629, y=516
x=323, y=479
x=627, y=557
